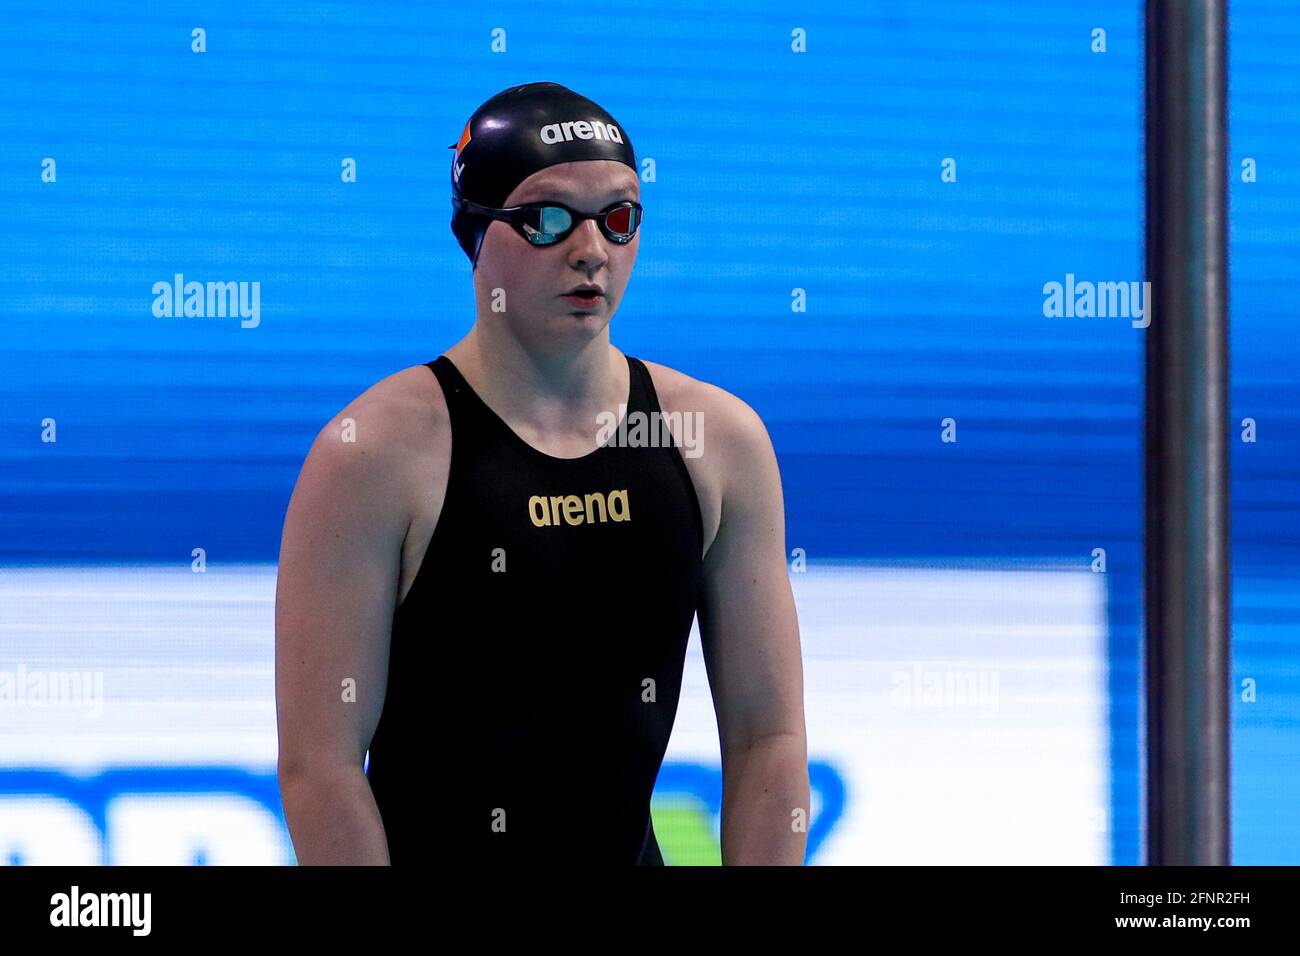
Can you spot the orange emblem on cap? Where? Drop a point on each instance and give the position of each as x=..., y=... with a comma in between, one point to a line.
x=464, y=139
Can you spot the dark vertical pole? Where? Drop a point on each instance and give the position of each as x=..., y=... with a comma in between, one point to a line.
x=1187, y=491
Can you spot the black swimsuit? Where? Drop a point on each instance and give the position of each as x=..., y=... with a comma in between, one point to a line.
x=536, y=662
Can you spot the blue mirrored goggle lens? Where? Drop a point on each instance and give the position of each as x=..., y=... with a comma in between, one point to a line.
x=549, y=224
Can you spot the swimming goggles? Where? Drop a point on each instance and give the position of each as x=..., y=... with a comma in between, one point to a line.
x=546, y=223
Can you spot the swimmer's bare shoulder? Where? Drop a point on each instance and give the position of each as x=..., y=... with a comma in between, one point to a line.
x=725, y=430
x=364, y=485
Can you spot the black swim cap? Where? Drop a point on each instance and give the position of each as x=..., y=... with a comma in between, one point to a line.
x=516, y=133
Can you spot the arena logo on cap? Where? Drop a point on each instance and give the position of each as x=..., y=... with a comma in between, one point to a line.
x=579, y=129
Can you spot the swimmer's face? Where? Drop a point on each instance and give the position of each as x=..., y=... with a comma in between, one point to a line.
x=534, y=279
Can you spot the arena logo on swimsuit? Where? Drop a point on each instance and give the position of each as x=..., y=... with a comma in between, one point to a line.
x=547, y=512
x=570, y=130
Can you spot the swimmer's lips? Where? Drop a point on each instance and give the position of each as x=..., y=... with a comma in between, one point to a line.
x=586, y=290
x=585, y=295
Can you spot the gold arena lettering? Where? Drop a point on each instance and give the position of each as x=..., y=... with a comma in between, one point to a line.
x=574, y=510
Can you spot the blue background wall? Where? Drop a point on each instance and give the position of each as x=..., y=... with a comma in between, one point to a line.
x=774, y=171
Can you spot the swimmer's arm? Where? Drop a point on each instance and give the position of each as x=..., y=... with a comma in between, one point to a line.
x=335, y=593
x=750, y=635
